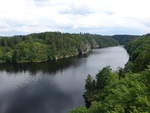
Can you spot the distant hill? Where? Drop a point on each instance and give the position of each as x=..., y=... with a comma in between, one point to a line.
x=124, y=39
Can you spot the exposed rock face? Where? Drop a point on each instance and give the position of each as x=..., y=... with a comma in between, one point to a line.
x=94, y=44
x=84, y=49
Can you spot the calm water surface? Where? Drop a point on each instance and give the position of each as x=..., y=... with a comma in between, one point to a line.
x=53, y=87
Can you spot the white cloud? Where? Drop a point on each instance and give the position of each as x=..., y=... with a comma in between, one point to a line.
x=95, y=16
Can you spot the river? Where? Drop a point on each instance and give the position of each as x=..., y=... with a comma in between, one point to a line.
x=53, y=87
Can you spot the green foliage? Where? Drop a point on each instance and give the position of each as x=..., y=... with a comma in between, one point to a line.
x=30, y=51
x=139, y=51
x=90, y=83
x=121, y=73
x=102, y=77
x=94, y=86
x=130, y=94
x=80, y=109
x=49, y=46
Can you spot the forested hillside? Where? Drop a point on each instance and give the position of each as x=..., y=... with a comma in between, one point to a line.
x=125, y=91
x=139, y=51
x=124, y=39
x=43, y=47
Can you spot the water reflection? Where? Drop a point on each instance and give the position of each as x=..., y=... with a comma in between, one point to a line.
x=34, y=68
x=52, y=87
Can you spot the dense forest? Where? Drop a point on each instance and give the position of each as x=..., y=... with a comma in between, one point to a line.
x=124, y=39
x=48, y=46
x=139, y=51
x=125, y=91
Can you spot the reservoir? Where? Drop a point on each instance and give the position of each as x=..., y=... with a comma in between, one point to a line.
x=54, y=87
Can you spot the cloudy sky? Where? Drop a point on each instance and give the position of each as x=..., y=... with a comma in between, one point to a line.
x=92, y=16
